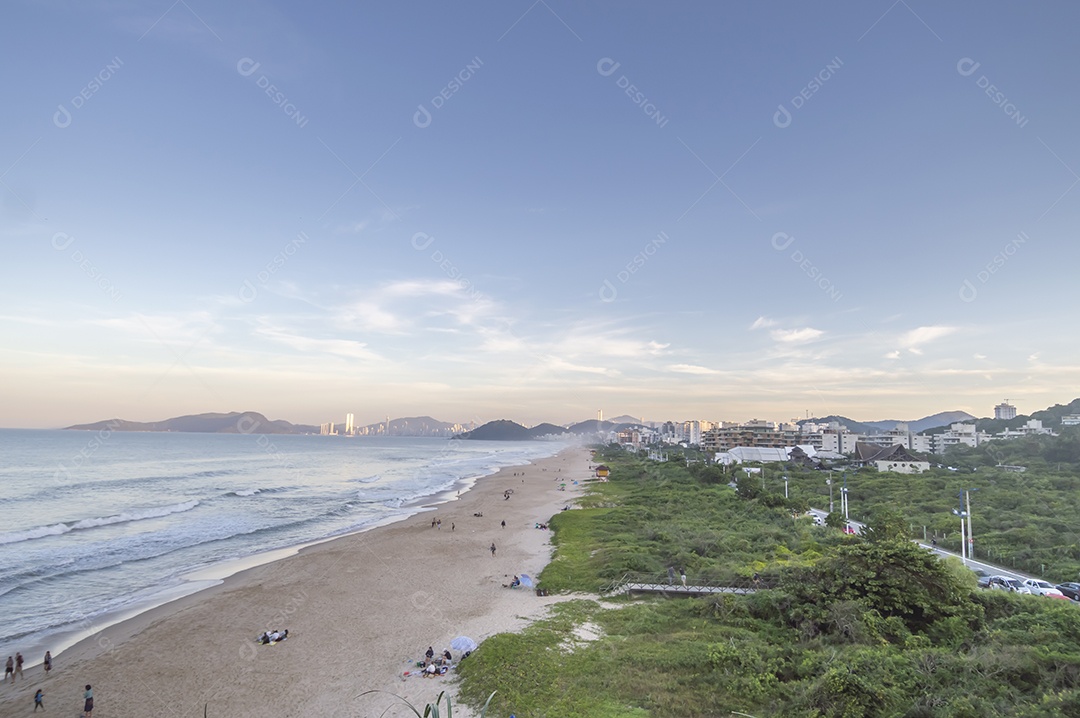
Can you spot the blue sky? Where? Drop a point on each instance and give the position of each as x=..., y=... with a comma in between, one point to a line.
x=533, y=210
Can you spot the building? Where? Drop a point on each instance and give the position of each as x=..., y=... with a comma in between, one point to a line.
x=754, y=433
x=958, y=434
x=349, y=428
x=1033, y=427
x=1070, y=420
x=1005, y=410
x=894, y=458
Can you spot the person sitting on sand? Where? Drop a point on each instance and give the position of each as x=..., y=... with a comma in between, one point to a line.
x=447, y=656
x=430, y=671
x=430, y=653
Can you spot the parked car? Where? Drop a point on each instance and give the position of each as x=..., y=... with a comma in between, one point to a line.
x=1004, y=583
x=1041, y=588
x=1070, y=590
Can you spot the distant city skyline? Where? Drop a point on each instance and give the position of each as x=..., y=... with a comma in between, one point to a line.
x=532, y=210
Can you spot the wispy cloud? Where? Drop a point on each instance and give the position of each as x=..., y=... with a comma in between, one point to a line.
x=914, y=339
x=796, y=336
x=691, y=369
x=763, y=323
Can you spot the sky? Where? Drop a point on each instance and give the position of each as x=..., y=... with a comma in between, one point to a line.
x=537, y=209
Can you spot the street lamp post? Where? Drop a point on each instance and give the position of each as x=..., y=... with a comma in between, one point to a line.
x=844, y=498
x=785, y=487
x=829, y=483
x=963, y=540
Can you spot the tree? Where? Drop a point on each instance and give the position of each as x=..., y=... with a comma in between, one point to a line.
x=835, y=520
x=886, y=524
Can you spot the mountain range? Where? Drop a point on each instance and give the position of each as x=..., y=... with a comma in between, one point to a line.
x=245, y=422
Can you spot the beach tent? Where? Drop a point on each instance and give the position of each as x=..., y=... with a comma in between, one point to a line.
x=526, y=580
x=463, y=644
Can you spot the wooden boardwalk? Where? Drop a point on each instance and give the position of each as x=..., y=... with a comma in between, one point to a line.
x=630, y=586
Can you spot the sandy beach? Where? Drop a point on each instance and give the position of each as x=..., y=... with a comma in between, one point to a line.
x=360, y=610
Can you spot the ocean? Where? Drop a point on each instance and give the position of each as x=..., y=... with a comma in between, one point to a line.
x=96, y=526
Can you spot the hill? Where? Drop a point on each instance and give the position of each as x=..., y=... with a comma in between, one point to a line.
x=506, y=430
x=857, y=427
x=246, y=422
x=942, y=418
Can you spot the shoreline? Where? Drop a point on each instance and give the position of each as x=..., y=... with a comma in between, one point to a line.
x=397, y=588
x=205, y=578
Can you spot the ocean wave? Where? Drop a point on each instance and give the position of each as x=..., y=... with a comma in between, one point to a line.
x=66, y=527
x=245, y=492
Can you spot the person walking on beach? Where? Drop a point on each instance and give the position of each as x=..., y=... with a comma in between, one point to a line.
x=438, y=524
x=504, y=524
x=37, y=700
x=48, y=663
x=451, y=525
x=9, y=667
x=18, y=666
x=88, y=701
x=492, y=555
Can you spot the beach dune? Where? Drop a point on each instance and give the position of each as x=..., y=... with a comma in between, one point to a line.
x=360, y=610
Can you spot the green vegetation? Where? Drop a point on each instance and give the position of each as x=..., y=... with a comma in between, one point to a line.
x=854, y=626
x=1025, y=521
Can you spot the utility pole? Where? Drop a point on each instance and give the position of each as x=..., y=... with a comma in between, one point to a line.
x=970, y=535
x=829, y=482
x=785, y=487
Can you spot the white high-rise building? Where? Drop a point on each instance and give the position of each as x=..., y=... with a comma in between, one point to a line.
x=1005, y=410
x=349, y=428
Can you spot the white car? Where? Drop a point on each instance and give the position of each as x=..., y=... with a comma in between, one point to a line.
x=1004, y=583
x=1042, y=588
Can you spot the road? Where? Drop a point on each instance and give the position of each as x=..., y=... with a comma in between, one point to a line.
x=970, y=563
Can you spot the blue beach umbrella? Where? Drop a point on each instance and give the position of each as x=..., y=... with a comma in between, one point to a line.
x=526, y=580
x=461, y=644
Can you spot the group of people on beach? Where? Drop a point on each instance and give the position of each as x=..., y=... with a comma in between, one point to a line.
x=434, y=665
x=273, y=636
x=14, y=667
